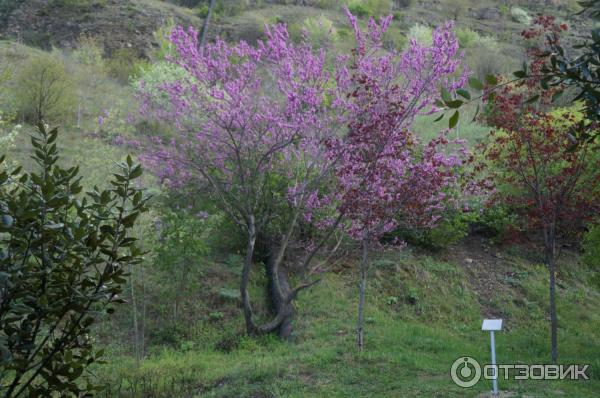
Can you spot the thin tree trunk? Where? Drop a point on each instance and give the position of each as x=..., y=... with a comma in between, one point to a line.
x=550, y=244
x=143, y=323
x=135, y=319
x=245, y=279
x=362, y=288
x=206, y=23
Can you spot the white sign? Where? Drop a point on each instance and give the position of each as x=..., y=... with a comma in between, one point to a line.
x=492, y=324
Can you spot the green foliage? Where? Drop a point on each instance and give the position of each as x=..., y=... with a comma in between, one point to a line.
x=8, y=134
x=453, y=227
x=89, y=52
x=485, y=56
x=591, y=247
x=161, y=36
x=62, y=263
x=320, y=31
x=44, y=91
x=77, y=5
x=6, y=8
x=466, y=37
x=182, y=241
x=497, y=222
x=328, y=4
x=421, y=33
x=456, y=8
x=370, y=8
x=394, y=39
x=124, y=65
x=520, y=15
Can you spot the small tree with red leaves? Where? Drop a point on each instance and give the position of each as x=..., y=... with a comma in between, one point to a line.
x=534, y=166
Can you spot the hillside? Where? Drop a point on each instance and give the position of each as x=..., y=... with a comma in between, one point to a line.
x=130, y=23
x=180, y=331
x=424, y=311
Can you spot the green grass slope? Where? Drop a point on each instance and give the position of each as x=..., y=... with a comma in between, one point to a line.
x=424, y=311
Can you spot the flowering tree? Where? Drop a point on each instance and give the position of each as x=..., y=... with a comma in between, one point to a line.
x=259, y=127
x=385, y=176
x=250, y=124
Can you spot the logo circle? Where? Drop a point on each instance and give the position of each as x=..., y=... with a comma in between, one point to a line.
x=465, y=372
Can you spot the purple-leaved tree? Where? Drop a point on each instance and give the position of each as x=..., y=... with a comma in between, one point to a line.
x=279, y=139
x=385, y=177
x=250, y=125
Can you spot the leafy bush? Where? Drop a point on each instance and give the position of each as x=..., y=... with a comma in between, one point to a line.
x=450, y=230
x=125, y=64
x=421, y=34
x=371, y=8
x=44, y=90
x=520, y=15
x=8, y=133
x=486, y=57
x=497, y=222
x=394, y=39
x=150, y=78
x=467, y=37
x=6, y=8
x=89, y=52
x=320, y=31
x=62, y=262
x=591, y=247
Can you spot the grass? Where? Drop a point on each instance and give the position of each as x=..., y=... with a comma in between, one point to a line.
x=422, y=314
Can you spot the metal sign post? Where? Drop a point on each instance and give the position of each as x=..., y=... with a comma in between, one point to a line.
x=492, y=325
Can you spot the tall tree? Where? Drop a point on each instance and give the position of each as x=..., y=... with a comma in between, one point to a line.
x=535, y=164
x=250, y=126
x=385, y=176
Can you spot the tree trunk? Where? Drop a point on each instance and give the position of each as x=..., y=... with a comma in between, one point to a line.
x=206, y=23
x=245, y=279
x=550, y=246
x=277, y=297
x=362, y=288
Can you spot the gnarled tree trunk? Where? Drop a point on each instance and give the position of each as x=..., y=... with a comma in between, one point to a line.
x=277, y=297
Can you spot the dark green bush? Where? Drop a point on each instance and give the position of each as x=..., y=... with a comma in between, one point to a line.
x=62, y=263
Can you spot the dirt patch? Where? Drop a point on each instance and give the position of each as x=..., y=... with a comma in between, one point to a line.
x=486, y=269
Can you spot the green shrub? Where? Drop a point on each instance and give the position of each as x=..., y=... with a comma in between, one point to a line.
x=89, y=52
x=125, y=64
x=44, y=91
x=8, y=134
x=497, y=222
x=320, y=31
x=6, y=8
x=328, y=4
x=421, y=34
x=63, y=260
x=394, y=39
x=520, y=15
x=453, y=227
x=467, y=37
x=371, y=8
x=591, y=247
